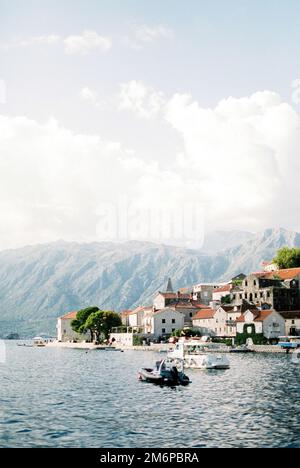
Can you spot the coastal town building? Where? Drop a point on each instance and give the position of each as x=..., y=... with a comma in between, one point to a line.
x=220, y=293
x=162, y=322
x=204, y=292
x=219, y=323
x=179, y=302
x=136, y=317
x=292, y=322
x=65, y=332
x=125, y=317
x=269, y=323
x=279, y=290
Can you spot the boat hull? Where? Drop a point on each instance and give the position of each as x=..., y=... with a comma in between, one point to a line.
x=166, y=378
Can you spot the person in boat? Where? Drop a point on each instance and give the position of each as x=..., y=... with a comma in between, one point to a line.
x=174, y=372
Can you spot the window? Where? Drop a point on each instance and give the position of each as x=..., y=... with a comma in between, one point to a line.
x=173, y=329
x=255, y=295
x=246, y=283
x=254, y=282
x=246, y=296
x=293, y=322
x=163, y=321
x=241, y=296
x=191, y=314
x=269, y=294
x=173, y=321
x=163, y=330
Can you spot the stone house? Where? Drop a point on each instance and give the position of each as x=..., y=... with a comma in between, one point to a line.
x=267, y=322
x=220, y=322
x=292, y=322
x=279, y=290
x=221, y=292
x=162, y=322
x=136, y=317
x=65, y=332
x=204, y=292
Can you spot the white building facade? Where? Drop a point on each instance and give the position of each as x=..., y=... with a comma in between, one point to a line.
x=267, y=322
x=65, y=332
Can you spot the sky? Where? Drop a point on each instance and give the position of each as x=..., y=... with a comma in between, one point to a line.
x=159, y=121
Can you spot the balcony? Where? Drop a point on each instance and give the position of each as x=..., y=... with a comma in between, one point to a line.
x=230, y=323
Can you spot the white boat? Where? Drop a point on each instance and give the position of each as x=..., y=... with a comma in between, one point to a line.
x=191, y=352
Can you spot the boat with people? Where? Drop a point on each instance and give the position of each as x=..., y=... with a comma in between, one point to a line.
x=166, y=372
x=191, y=352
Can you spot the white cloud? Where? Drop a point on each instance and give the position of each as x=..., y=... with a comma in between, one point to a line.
x=86, y=43
x=238, y=163
x=88, y=94
x=50, y=39
x=135, y=96
x=244, y=156
x=145, y=34
x=52, y=181
x=83, y=44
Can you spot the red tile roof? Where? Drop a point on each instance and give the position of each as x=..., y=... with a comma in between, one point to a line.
x=225, y=288
x=292, y=273
x=199, y=306
x=260, y=316
x=70, y=316
x=287, y=274
x=185, y=305
x=204, y=314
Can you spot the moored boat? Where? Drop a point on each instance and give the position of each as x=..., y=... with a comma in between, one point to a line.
x=191, y=352
x=165, y=372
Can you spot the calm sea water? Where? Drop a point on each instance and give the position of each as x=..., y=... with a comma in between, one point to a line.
x=70, y=398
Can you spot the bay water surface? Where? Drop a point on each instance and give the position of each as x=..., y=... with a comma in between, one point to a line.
x=52, y=397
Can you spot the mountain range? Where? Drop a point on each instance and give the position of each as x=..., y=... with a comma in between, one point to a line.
x=41, y=282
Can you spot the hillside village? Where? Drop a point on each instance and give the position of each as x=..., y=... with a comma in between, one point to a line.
x=263, y=305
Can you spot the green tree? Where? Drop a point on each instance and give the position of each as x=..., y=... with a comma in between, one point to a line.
x=226, y=300
x=189, y=333
x=288, y=258
x=79, y=325
x=101, y=323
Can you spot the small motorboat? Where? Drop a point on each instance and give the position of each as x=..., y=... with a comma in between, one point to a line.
x=244, y=349
x=192, y=354
x=166, y=372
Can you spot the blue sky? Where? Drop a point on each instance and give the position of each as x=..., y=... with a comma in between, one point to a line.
x=130, y=89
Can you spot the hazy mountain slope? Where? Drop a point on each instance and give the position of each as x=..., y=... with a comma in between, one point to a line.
x=249, y=256
x=218, y=241
x=41, y=282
